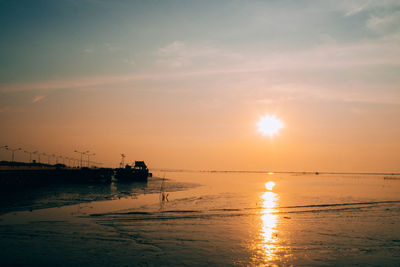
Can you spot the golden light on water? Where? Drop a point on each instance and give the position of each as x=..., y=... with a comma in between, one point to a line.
x=265, y=245
x=269, y=125
x=269, y=185
x=268, y=229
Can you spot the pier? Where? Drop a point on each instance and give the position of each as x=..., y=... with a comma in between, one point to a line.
x=14, y=175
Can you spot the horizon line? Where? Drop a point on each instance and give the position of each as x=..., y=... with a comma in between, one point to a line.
x=274, y=172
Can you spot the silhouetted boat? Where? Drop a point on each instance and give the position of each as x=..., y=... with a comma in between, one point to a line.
x=137, y=173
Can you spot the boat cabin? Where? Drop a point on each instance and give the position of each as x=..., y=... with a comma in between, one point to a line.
x=140, y=165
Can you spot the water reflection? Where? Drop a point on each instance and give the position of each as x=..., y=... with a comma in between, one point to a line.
x=266, y=244
x=268, y=229
x=269, y=185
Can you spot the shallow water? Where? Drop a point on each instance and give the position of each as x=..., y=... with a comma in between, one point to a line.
x=207, y=219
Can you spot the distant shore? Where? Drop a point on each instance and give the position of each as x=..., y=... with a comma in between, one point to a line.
x=276, y=172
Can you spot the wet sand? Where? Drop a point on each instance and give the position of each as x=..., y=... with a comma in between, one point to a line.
x=207, y=219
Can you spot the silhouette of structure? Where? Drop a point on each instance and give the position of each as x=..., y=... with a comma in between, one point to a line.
x=19, y=175
x=122, y=163
x=138, y=173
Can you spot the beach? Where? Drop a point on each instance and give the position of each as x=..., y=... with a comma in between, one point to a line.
x=202, y=218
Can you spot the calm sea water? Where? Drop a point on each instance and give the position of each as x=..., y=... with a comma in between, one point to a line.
x=207, y=219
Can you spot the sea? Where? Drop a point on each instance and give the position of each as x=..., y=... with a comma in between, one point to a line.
x=192, y=218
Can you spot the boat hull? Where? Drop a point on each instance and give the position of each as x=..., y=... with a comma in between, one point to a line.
x=131, y=175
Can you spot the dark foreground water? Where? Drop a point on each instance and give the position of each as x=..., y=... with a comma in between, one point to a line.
x=207, y=219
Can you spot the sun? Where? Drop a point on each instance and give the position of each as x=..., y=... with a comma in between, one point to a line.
x=269, y=125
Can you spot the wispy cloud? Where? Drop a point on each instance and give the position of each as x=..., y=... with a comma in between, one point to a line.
x=179, y=54
x=179, y=61
x=324, y=56
x=354, y=7
x=385, y=24
x=39, y=98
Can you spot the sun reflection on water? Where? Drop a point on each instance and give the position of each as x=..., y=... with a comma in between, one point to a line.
x=269, y=221
x=265, y=246
x=269, y=185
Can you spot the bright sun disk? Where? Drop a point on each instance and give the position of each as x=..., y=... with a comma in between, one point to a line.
x=269, y=125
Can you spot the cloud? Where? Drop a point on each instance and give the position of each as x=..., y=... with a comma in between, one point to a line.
x=173, y=55
x=89, y=50
x=327, y=55
x=355, y=7
x=39, y=98
x=385, y=24
x=311, y=70
x=182, y=55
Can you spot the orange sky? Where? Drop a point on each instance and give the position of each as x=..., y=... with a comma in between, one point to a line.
x=165, y=84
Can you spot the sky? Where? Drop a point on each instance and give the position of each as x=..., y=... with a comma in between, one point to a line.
x=183, y=84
